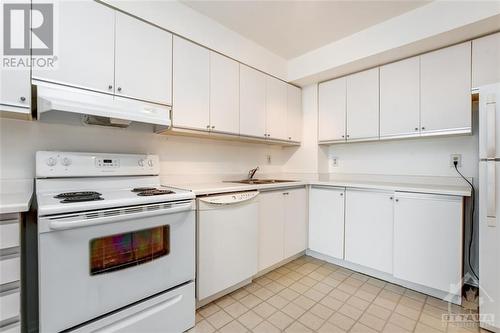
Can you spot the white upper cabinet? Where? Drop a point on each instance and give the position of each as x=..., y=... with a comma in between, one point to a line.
x=326, y=221
x=295, y=228
x=363, y=105
x=191, y=85
x=15, y=89
x=446, y=90
x=294, y=113
x=252, y=102
x=400, y=98
x=143, y=60
x=86, y=47
x=486, y=60
x=224, y=94
x=332, y=110
x=276, y=109
x=369, y=228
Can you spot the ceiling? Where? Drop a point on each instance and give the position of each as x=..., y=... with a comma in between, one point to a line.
x=292, y=28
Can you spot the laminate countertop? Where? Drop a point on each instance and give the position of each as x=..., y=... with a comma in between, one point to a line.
x=15, y=195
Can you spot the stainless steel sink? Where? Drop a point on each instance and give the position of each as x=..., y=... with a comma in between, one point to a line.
x=260, y=181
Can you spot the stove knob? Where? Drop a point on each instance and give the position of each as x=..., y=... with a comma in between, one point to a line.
x=51, y=161
x=66, y=161
x=150, y=163
x=141, y=163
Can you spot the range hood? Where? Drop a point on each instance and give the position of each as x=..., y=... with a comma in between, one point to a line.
x=95, y=108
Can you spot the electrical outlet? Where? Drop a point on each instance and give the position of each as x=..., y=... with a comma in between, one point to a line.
x=268, y=159
x=456, y=158
x=334, y=161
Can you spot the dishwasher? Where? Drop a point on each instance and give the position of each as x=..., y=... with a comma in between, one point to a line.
x=227, y=227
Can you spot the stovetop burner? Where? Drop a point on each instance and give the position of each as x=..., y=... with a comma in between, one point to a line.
x=143, y=189
x=80, y=196
x=154, y=192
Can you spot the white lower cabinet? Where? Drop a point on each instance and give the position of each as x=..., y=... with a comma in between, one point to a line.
x=428, y=240
x=282, y=225
x=326, y=221
x=369, y=228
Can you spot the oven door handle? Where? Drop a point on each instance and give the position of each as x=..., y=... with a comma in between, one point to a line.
x=61, y=224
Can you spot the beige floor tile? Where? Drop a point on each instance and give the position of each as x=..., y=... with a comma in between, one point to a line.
x=266, y=327
x=273, y=275
x=395, y=288
x=359, y=276
x=263, y=293
x=433, y=311
x=299, y=287
x=364, y=295
x=293, y=310
x=391, y=328
x=314, y=295
x=407, y=311
x=354, y=282
x=372, y=321
x=264, y=309
x=286, y=281
x=390, y=305
x=304, y=302
x=332, y=282
x=294, y=276
x=219, y=319
x=379, y=311
x=275, y=287
x=225, y=301
x=411, y=302
x=339, y=294
x=283, y=270
x=331, y=303
x=208, y=310
x=341, y=321
x=322, y=288
x=311, y=320
x=358, y=303
x=280, y=320
x=278, y=301
x=202, y=327
x=330, y=328
x=250, y=301
x=350, y=311
x=250, y=319
x=252, y=287
x=324, y=270
x=347, y=288
x=376, y=282
x=437, y=303
x=339, y=275
x=233, y=327
x=389, y=295
x=308, y=281
x=316, y=275
x=263, y=281
x=236, y=309
x=422, y=328
x=370, y=288
x=297, y=327
x=415, y=295
x=433, y=322
x=239, y=294
x=402, y=321
x=198, y=317
x=360, y=328
x=289, y=294
x=321, y=311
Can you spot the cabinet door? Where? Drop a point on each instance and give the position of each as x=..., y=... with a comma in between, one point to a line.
x=294, y=113
x=369, y=228
x=271, y=228
x=428, y=240
x=252, y=102
x=224, y=94
x=326, y=221
x=363, y=105
x=15, y=87
x=295, y=229
x=143, y=60
x=191, y=80
x=332, y=110
x=85, y=56
x=276, y=113
x=445, y=88
x=400, y=98
x=486, y=60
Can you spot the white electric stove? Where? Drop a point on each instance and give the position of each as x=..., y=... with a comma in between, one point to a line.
x=116, y=250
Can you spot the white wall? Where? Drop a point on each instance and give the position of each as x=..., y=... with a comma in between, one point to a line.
x=181, y=157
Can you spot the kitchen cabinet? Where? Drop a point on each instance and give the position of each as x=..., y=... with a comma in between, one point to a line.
x=363, y=105
x=294, y=113
x=276, y=109
x=332, y=110
x=224, y=94
x=445, y=89
x=143, y=60
x=15, y=91
x=428, y=240
x=369, y=228
x=191, y=85
x=282, y=225
x=295, y=226
x=252, y=102
x=486, y=60
x=326, y=220
x=85, y=53
x=400, y=99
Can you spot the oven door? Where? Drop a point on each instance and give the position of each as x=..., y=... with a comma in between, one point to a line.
x=96, y=262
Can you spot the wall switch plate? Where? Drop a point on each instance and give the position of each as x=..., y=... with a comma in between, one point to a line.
x=456, y=158
x=268, y=159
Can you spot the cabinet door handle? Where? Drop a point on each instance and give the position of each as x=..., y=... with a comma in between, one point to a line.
x=213, y=127
x=423, y=128
x=416, y=128
x=397, y=200
x=23, y=99
x=119, y=88
x=289, y=138
x=110, y=87
x=208, y=126
x=285, y=193
x=341, y=194
x=391, y=198
x=343, y=136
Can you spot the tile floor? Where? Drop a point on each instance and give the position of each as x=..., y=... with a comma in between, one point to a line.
x=310, y=295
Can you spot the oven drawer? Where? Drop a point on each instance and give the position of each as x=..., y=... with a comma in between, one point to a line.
x=10, y=304
x=9, y=233
x=172, y=311
x=10, y=267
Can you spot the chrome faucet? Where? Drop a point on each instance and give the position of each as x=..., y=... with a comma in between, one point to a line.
x=252, y=172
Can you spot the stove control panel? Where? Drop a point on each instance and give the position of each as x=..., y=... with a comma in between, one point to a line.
x=68, y=164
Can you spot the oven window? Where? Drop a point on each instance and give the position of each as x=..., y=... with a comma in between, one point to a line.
x=120, y=251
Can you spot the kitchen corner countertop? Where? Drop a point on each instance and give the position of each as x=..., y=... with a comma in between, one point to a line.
x=15, y=195
x=225, y=187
